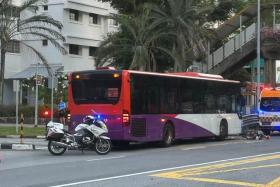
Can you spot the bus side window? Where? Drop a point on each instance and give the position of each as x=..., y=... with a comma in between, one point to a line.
x=187, y=106
x=210, y=104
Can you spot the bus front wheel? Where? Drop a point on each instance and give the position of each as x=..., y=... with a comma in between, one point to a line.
x=168, y=135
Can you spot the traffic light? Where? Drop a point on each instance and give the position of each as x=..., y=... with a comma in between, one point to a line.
x=46, y=113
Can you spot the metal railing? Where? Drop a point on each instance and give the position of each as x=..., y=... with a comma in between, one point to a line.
x=232, y=45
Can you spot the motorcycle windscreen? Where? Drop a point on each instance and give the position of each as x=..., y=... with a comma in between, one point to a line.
x=96, y=89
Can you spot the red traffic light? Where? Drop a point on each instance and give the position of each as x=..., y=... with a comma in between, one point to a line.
x=46, y=113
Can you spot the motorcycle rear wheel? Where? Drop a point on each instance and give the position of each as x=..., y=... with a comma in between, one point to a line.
x=103, y=146
x=55, y=150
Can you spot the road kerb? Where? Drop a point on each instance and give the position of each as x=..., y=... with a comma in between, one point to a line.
x=17, y=146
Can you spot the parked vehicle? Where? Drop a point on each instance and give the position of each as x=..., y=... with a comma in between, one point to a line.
x=155, y=107
x=269, y=110
x=88, y=135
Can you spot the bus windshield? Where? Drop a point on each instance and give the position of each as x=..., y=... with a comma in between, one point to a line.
x=96, y=89
x=270, y=104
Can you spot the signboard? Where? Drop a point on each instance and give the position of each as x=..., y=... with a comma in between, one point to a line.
x=39, y=79
x=15, y=85
x=277, y=68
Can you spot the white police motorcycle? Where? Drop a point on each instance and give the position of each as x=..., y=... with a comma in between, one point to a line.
x=88, y=135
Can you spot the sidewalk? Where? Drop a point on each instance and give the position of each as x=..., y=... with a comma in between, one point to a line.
x=29, y=142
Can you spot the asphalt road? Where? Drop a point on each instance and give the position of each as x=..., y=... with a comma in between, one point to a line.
x=234, y=162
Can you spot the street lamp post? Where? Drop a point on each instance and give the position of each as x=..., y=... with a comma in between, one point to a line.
x=53, y=74
x=36, y=97
x=258, y=52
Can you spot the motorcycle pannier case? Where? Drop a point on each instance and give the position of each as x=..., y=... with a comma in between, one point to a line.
x=55, y=134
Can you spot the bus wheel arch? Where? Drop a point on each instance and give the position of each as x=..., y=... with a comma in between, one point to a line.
x=223, y=130
x=168, y=135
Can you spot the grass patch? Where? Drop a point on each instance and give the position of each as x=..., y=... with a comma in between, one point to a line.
x=28, y=131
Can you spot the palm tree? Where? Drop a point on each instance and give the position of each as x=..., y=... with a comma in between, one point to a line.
x=136, y=40
x=13, y=27
x=185, y=24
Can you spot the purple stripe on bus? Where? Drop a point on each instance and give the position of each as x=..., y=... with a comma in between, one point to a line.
x=154, y=128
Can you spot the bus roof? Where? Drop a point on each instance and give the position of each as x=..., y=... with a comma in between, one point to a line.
x=270, y=93
x=190, y=75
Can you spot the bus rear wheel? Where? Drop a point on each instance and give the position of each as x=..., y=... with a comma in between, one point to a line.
x=168, y=135
x=223, y=131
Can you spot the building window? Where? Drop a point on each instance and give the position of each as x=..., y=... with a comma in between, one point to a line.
x=93, y=18
x=74, y=15
x=45, y=42
x=13, y=47
x=13, y=12
x=46, y=7
x=75, y=49
x=92, y=51
x=114, y=22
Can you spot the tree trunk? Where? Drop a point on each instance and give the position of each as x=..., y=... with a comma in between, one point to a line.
x=2, y=72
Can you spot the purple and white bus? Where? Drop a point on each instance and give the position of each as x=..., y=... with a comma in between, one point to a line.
x=148, y=107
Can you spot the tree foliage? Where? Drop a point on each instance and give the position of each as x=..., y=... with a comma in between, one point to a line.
x=130, y=7
x=137, y=39
x=183, y=26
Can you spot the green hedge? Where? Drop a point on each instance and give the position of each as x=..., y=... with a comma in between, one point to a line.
x=28, y=111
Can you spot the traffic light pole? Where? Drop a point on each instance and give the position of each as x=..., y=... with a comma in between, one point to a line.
x=52, y=97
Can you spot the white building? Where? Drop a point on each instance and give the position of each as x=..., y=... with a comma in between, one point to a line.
x=85, y=24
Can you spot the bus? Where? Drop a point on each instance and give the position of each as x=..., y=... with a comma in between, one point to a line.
x=156, y=107
x=269, y=110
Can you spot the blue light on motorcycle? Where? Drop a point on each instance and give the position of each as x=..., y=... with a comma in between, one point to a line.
x=261, y=112
x=98, y=117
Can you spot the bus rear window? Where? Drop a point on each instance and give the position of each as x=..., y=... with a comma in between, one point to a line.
x=96, y=90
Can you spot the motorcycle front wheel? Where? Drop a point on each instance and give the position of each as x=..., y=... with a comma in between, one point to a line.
x=55, y=150
x=103, y=146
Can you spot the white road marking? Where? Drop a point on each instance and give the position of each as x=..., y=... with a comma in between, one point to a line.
x=254, y=141
x=211, y=145
x=106, y=158
x=160, y=170
x=40, y=148
x=194, y=148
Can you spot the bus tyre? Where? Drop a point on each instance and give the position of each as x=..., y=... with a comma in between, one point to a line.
x=168, y=136
x=223, y=133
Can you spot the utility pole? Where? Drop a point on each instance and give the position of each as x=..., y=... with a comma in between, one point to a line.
x=36, y=97
x=258, y=52
x=53, y=75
